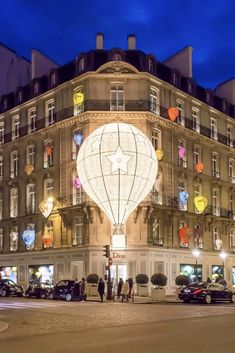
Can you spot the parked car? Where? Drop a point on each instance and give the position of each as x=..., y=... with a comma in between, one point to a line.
x=38, y=290
x=206, y=293
x=10, y=288
x=63, y=290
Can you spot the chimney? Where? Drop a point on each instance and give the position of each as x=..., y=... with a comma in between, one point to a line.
x=131, y=42
x=99, y=41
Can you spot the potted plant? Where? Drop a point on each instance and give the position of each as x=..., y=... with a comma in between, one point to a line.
x=142, y=281
x=92, y=284
x=159, y=281
x=182, y=280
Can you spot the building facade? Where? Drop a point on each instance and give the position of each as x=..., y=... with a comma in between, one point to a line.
x=51, y=230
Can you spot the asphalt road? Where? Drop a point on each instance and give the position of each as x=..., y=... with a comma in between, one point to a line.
x=42, y=326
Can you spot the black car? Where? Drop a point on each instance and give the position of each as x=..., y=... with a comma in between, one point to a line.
x=206, y=293
x=63, y=290
x=10, y=288
x=38, y=290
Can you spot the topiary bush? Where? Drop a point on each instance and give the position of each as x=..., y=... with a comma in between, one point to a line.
x=159, y=280
x=93, y=278
x=141, y=278
x=182, y=280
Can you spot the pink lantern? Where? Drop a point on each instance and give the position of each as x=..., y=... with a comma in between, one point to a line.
x=181, y=151
x=76, y=183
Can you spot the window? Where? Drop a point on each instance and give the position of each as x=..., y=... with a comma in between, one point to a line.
x=1, y=239
x=77, y=135
x=181, y=117
x=117, y=97
x=198, y=236
x=77, y=236
x=15, y=127
x=76, y=192
x=232, y=239
x=229, y=136
x=48, y=153
x=214, y=129
x=197, y=192
x=1, y=168
x=14, y=236
x=231, y=205
x=53, y=79
x=48, y=236
x=231, y=171
x=182, y=156
x=31, y=120
x=216, y=238
x=196, y=154
x=156, y=233
x=48, y=188
x=215, y=202
x=154, y=100
x=14, y=203
x=158, y=188
x=116, y=57
x=30, y=198
x=156, y=139
x=150, y=65
x=78, y=101
x=14, y=165
x=183, y=206
x=184, y=233
x=196, y=119
x=215, y=165
x=36, y=88
x=50, y=112
x=81, y=65
x=1, y=205
x=2, y=131
x=30, y=155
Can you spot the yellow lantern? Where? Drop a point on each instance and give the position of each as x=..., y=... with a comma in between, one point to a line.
x=200, y=203
x=78, y=98
x=28, y=168
x=159, y=154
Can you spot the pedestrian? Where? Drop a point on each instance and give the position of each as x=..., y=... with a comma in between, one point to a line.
x=119, y=287
x=83, y=289
x=77, y=289
x=101, y=286
x=131, y=283
x=125, y=291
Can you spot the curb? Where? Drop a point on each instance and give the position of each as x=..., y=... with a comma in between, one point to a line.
x=3, y=326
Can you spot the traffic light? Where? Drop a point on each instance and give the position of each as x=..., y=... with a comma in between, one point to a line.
x=106, y=251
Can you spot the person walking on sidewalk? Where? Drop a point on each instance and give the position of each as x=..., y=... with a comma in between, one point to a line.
x=83, y=289
x=125, y=291
x=101, y=286
x=119, y=287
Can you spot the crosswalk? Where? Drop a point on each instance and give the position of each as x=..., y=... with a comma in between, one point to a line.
x=27, y=304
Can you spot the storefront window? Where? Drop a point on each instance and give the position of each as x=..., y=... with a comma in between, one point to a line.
x=193, y=271
x=233, y=275
x=217, y=271
x=9, y=273
x=41, y=273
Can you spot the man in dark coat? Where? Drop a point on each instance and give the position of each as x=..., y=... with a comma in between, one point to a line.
x=101, y=289
x=119, y=287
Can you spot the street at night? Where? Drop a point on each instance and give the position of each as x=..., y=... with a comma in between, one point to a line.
x=41, y=326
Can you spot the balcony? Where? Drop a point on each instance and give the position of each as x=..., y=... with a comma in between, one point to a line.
x=232, y=179
x=73, y=200
x=219, y=212
x=215, y=174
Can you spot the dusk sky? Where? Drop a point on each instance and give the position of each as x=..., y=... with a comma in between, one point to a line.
x=61, y=29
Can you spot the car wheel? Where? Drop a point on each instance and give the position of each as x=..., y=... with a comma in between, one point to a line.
x=232, y=298
x=42, y=295
x=208, y=299
x=3, y=293
x=68, y=297
x=51, y=296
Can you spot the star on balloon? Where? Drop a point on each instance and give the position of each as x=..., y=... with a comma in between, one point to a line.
x=119, y=160
x=95, y=145
x=140, y=138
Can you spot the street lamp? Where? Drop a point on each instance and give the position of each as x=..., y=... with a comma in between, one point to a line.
x=223, y=256
x=196, y=253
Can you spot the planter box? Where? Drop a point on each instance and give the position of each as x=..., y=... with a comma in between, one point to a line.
x=158, y=294
x=92, y=291
x=142, y=290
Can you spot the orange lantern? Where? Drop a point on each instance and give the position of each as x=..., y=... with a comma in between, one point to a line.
x=47, y=241
x=184, y=234
x=28, y=168
x=199, y=167
x=49, y=150
x=173, y=113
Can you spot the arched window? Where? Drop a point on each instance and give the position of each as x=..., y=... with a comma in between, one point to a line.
x=117, y=96
x=183, y=206
x=182, y=154
x=15, y=127
x=232, y=239
x=14, y=164
x=48, y=188
x=154, y=100
x=76, y=189
x=48, y=153
x=50, y=112
x=156, y=138
x=78, y=231
x=156, y=232
x=196, y=119
x=30, y=198
x=31, y=120
x=215, y=165
x=216, y=238
x=30, y=155
x=48, y=236
x=14, y=238
x=181, y=107
x=215, y=202
x=81, y=65
x=78, y=100
x=14, y=202
x=150, y=65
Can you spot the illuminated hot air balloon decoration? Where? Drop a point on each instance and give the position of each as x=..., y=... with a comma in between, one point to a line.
x=200, y=203
x=117, y=167
x=46, y=207
x=159, y=154
x=173, y=113
x=78, y=138
x=28, y=237
x=77, y=183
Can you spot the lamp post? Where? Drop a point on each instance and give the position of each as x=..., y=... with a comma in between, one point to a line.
x=223, y=256
x=196, y=253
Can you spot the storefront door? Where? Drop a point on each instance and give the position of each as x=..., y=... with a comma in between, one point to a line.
x=118, y=271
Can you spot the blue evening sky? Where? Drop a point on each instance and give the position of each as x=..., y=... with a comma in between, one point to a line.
x=61, y=29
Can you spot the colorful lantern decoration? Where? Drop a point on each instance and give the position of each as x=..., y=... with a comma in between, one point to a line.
x=28, y=168
x=28, y=238
x=49, y=150
x=76, y=183
x=219, y=243
x=47, y=240
x=13, y=241
x=183, y=196
x=159, y=154
x=200, y=203
x=184, y=233
x=78, y=98
x=78, y=138
x=123, y=172
x=181, y=151
x=46, y=207
x=199, y=167
x=198, y=233
x=173, y=113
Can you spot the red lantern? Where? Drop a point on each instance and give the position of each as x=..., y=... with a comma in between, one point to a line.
x=199, y=167
x=49, y=150
x=184, y=233
x=173, y=113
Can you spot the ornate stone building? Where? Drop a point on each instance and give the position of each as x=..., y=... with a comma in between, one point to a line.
x=41, y=129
